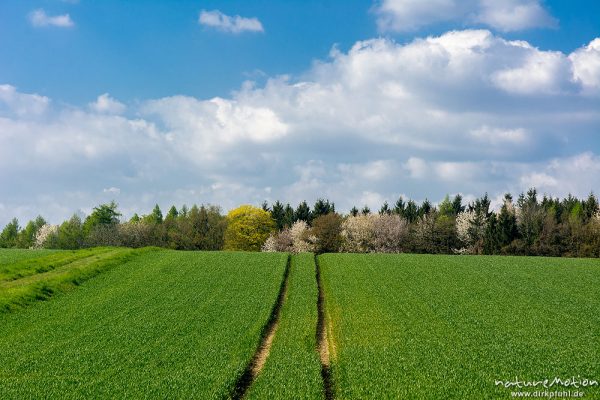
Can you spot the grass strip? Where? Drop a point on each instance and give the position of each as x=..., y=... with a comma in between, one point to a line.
x=10, y=256
x=48, y=262
x=62, y=277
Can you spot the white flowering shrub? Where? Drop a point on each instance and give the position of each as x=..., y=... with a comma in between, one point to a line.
x=425, y=231
x=296, y=239
x=44, y=234
x=135, y=234
x=279, y=241
x=270, y=245
x=390, y=233
x=302, y=240
x=464, y=220
x=358, y=233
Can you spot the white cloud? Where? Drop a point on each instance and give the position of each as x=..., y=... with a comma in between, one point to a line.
x=542, y=72
x=236, y=24
x=505, y=15
x=417, y=167
x=106, y=104
x=424, y=118
x=22, y=104
x=408, y=15
x=371, y=171
x=498, y=135
x=201, y=130
x=586, y=65
x=39, y=18
x=577, y=175
x=514, y=15
x=112, y=190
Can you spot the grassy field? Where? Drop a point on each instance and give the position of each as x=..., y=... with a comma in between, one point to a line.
x=293, y=369
x=28, y=280
x=20, y=267
x=9, y=256
x=422, y=326
x=164, y=325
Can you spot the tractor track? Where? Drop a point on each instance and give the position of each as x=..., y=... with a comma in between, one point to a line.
x=257, y=362
x=322, y=337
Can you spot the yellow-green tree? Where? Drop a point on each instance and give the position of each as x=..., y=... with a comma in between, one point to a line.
x=248, y=228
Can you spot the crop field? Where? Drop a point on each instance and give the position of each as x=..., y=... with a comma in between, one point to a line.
x=172, y=324
x=423, y=326
x=164, y=324
x=293, y=369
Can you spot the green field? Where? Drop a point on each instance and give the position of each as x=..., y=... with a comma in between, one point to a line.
x=164, y=325
x=27, y=279
x=9, y=256
x=423, y=326
x=150, y=323
x=293, y=369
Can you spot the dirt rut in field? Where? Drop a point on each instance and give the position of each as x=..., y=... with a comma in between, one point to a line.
x=262, y=352
x=322, y=337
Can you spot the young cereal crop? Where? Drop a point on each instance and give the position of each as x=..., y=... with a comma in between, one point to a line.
x=423, y=326
x=166, y=324
x=292, y=370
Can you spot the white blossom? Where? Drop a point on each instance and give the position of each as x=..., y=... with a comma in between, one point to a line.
x=291, y=240
x=358, y=233
x=43, y=234
x=270, y=245
x=464, y=221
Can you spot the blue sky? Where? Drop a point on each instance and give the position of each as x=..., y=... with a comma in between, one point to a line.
x=136, y=50
x=361, y=101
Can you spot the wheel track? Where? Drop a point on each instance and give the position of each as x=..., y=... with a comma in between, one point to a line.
x=323, y=340
x=268, y=334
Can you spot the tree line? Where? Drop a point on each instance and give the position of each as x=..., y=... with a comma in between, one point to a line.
x=529, y=225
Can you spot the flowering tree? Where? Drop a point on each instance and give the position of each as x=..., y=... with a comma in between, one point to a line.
x=390, y=233
x=358, y=233
x=296, y=239
x=463, y=225
x=44, y=235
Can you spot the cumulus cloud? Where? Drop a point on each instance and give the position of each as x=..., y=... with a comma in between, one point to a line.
x=578, y=175
x=505, y=15
x=202, y=129
x=586, y=65
x=106, y=104
x=21, y=104
x=39, y=18
x=231, y=24
x=434, y=116
x=514, y=15
x=542, y=72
